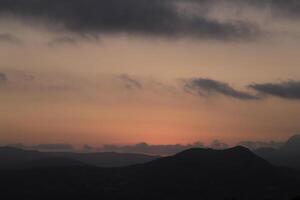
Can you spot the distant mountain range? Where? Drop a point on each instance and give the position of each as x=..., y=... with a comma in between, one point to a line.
x=235, y=173
x=11, y=157
x=288, y=155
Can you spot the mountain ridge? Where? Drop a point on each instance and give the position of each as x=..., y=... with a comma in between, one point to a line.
x=234, y=173
x=11, y=157
x=288, y=155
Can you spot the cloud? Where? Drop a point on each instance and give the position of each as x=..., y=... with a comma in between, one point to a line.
x=87, y=148
x=145, y=148
x=9, y=38
x=216, y=144
x=282, y=8
x=131, y=83
x=3, y=78
x=53, y=147
x=64, y=40
x=277, y=8
x=207, y=87
x=286, y=90
x=261, y=144
x=146, y=17
x=45, y=147
x=72, y=39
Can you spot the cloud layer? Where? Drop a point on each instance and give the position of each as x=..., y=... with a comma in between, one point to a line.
x=3, y=78
x=9, y=38
x=286, y=90
x=163, y=18
x=131, y=83
x=207, y=87
x=145, y=148
x=147, y=17
x=287, y=8
x=198, y=86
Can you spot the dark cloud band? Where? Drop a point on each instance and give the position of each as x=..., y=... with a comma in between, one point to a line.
x=130, y=83
x=9, y=38
x=3, y=78
x=207, y=87
x=147, y=17
x=283, y=8
x=286, y=90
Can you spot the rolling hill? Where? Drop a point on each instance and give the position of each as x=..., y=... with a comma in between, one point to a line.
x=288, y=155
x=234, y=173
x=11, y=157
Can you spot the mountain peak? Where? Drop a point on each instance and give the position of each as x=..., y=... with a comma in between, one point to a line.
x=293, y=144
x=294, y=138
x=9, y=149
x=239, y=148
x=233, y=158
x=195, y=151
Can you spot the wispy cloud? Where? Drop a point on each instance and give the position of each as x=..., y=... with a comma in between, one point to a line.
x=46, y=147
x=207, y=87
x=279, y=8
x=61, y=41
x=10, y=38
x=3, y=78
x=130, y=83
x=286, y=90
x=145, y=17
x=261, y=144
x=145, y=148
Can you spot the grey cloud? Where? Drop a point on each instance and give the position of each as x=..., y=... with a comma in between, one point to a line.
x=3, y=78
x=207, y=87
x=216, y=144
x=131, y=83
x=65, y=40
x=261, y=144
x=278, y=8
x=9, y=38
x=45, y=147
x=146, y=17
x=72, y=39
x=87, y=148
x=53, y=147
x=282, y=8
x=286, y=90
x=145, y=148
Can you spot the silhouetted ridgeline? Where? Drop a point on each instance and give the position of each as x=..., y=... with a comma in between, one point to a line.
x=234, y=173
x=11, y=157
x=288, y=155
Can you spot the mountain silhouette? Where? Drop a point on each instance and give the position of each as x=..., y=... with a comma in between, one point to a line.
x=51, y=162
x=292, y=145
x=216, y=174
x=11, y=157
x=237, y=158
x=288, y=155
x=234, y=173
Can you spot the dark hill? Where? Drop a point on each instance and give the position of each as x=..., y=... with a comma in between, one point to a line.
x=51, y=162
x=206, y=160
x=108, y=159
x=292, y=145
x=288, y=155
x=234, y=173
x=11, y=157
x=216, y=174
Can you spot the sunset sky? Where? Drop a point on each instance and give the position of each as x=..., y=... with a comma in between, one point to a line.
x=156, y=71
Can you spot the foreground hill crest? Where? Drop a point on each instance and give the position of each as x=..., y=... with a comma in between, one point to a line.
x=204, y=173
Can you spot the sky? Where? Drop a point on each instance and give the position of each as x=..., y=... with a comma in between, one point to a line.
x=156, y=71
